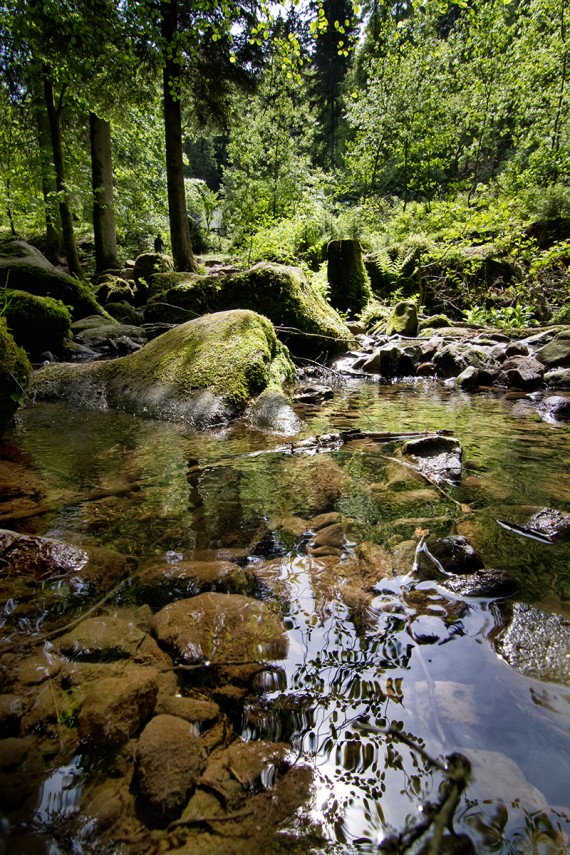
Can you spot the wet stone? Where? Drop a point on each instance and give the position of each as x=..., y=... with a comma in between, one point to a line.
x=160, y=582
x=38, y=557
x=169, y=760
x=20, y=767
x=427, y=629
x=535, y=642
x=551, y=523
x=454, y=553
x=102, y=639
x=198, y=711
x=483, y=583
x=437, y=457
x=555, y=408
x=221, y=628
x=116, y=707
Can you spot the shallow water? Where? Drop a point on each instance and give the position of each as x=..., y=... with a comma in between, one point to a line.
x=352, y=672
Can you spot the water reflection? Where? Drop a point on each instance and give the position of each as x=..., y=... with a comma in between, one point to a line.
x=377, y=689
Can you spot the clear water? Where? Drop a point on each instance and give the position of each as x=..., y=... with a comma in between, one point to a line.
x=351, y=673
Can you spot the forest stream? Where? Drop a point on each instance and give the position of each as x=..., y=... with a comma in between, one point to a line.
x=366, y=708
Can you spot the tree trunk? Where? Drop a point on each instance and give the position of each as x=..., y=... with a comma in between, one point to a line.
x=348, y=280
x=53, y=220
x=68, y=235
x=177, y=213
x=103, y=202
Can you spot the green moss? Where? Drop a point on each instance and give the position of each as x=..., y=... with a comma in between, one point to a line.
x=205, y=370
x=435, y=322
x=403, y=319
x=24, y=268
x=282, y=294
x=37, y=323
x=14, y=375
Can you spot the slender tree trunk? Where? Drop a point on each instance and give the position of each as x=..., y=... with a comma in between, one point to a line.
x=53, y=220
x=177, y=213
x=68, y=235
x=103, y=202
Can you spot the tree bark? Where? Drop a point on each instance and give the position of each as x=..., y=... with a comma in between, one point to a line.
x=103, y=201
x=54, y=115
x=52, y=217
x=177, y=213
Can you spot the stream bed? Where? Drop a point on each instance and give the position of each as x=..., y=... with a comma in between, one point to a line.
x=377, y=683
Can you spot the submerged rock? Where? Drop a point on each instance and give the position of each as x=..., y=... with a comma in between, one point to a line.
x=483, y=583
x=159, y=582
x=454, y=553
x=38, y=558
x=221, y=628
x=555, y=408
x=169, y=759
x=117, y=707
x=551, y=523
x=202, y=373
x=437, y=457
x=535, y=642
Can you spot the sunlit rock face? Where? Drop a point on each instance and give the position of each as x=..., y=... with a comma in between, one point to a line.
x=535, y=642
x=202, y=373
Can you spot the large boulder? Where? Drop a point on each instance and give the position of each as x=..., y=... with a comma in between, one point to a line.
x=556, y=354
x=14, y=375
x=283, y=294
x=24, y=268
x=146, y=265
x=348, y=280
x=202, y=373
x=37, y=323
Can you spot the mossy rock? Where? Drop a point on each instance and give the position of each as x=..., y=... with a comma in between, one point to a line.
x=37, y=323
x=14, y=375
x=124, y=313
x=403, y=319
x=114, y=289
x=146, y=265
x=24, y=268
x=201, y=373
x=283, y=294
x=435, y=322
x=374, y=316
x=347, y=277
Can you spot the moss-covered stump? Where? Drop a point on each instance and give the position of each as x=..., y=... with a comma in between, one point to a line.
x=201, y=373
x=403, y=319
x=37, y=323
x=14, y=376
x=24, y=268
x=348, y=280
x=281, y=293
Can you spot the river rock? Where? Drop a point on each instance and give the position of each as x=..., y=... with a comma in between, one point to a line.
x=102, y=639
x=116, y=707
x=551, y=522
x=160, y=582
x=282, y=294
x=271, y=412
x=555, y=408
x=221, y=628
x=556, y=354
x=437, y=457
x=38, y=557
x=535, y=642
x=198, y=711
x=454, y=553
x=403, y=319
x=454, y=358
x=201, y=373
x=313, y=394
x=558, y=378
x=111, y=338
x=483, y=583
x=522, y=372
x=169, y=759
x=14, y=376
x=469, y=378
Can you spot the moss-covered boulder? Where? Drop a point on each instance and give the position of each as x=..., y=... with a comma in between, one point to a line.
x=403, y=319
x=114, y=289
x=146, y=265
x=347, y=277
x=37, y=323
x=24, y=268
x=283, y=294
x=14, y=375
x=201, y=373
